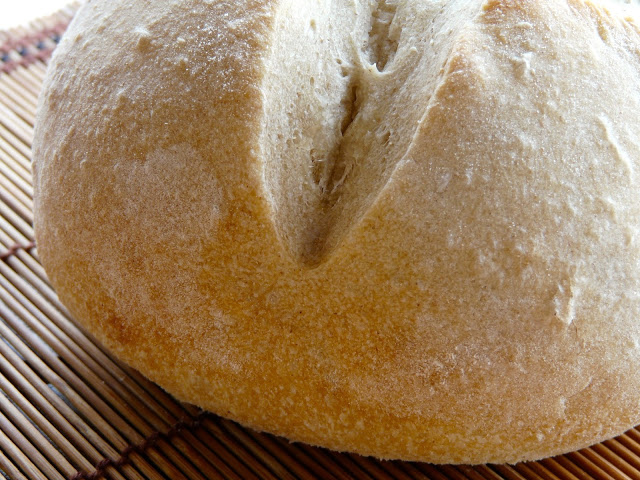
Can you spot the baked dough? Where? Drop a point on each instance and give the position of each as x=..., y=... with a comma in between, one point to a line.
x=408, y=229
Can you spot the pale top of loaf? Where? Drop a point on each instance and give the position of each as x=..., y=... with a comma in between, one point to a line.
x=407, y=229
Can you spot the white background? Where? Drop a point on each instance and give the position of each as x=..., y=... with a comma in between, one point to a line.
x=19, y=12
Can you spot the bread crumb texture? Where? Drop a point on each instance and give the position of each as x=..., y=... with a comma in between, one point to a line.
x=408, y=229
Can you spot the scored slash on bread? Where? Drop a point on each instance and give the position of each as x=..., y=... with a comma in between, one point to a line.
x=345, y=91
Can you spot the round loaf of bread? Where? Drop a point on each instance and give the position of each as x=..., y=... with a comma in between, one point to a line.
x=404, y=228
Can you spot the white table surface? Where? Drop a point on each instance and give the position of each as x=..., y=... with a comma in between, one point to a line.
x=20, y=12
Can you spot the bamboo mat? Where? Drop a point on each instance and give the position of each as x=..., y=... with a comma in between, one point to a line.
x=69, y=410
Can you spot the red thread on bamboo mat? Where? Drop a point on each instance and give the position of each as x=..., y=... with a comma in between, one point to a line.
x=149, y=442
x=14, y=42
x=24, y=50
x=16, y=248
x=29, y=59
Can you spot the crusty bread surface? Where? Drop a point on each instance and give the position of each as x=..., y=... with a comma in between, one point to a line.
x=407, y=229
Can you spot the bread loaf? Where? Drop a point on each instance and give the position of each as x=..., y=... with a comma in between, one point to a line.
x=403, y=228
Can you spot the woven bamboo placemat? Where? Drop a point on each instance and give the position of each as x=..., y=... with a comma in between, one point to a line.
x=70, y=410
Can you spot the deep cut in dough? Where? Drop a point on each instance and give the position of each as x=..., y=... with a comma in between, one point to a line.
x=408, y=229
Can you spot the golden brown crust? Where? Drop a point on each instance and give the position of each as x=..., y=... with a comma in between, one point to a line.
x=480, y=305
